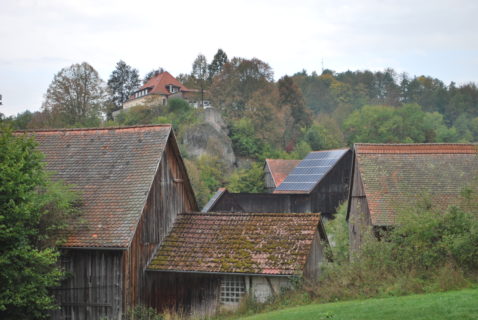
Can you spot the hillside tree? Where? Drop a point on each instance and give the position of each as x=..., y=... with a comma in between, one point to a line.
x=123, y=81
x=200, y=73
x=76, y=95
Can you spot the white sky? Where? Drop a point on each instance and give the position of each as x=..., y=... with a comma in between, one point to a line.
x=38, y=38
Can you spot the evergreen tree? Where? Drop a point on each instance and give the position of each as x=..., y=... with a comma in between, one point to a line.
x=217, y=64
x=123, y=81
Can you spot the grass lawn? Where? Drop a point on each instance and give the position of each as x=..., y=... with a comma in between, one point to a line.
x=461, y=305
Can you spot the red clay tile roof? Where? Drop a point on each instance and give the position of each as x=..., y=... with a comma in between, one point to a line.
x=257, y=243
x=112, y=169
x=396, y=175
x=280, y=168
x=159, y=83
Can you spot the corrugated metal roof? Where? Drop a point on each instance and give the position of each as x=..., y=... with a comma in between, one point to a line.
x=112, y=169
x=396, y=176
x=310, y=171
x=256, y=243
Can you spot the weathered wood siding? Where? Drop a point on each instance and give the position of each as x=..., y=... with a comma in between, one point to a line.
x=268, y=180
x=315, y=258
x=168, y=196
x=333, y=189
x=359, y=214
x=262, y=202
x=189, y=293
x=93, y=289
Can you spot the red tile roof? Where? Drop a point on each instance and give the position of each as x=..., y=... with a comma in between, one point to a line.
x=430, y=148
x=396, y=176
x=257, y=243
x=280, y=168
x=112, y=169
x=159, y=83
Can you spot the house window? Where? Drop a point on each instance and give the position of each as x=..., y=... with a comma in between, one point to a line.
x=232, y=289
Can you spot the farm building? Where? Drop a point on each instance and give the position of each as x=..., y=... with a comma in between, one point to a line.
x=133, y=183
x=319, y=183
x=388, y=178
x=209, y=261
x=276, y=170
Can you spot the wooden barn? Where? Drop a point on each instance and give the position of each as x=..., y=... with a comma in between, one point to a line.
x=319, y=183
x=133, y=183
x=209, y=261
x=276, y=170
x=388, y=178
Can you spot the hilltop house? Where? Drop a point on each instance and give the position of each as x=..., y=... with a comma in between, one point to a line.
x=209, y=261
x=133, y=184
x=163, y=86
x=318, y=183
x=388, y=178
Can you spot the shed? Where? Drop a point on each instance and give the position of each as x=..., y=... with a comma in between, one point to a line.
x=210, y=261
x=390, y=177
x=133, y=183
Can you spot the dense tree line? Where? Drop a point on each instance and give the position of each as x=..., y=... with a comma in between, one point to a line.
x=284, y=118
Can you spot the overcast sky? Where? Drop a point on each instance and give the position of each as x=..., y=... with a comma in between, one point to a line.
x=420, y=37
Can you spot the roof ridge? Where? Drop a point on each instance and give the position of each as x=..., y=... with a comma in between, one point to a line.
x=227, y=213
x=96, y=128
x=416, y=144
x=329, y=150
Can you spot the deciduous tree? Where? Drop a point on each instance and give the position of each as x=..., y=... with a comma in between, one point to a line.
x=32, y=211
x=76, y=95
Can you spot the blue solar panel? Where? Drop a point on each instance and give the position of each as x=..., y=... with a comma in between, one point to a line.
x=306, y=175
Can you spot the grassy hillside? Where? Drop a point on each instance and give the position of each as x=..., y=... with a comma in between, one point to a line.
x=448, y=305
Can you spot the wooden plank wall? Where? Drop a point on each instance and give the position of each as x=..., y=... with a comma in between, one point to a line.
x=189, y=293
x=169, y=195
x=334, y=188
x=316, y=256
x=359, y=214
x=269, y=182
x=93, y=289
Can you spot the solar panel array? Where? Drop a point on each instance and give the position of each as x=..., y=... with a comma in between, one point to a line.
x=305, y=176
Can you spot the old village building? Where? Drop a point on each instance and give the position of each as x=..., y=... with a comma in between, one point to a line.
x=276, y=170
x=133, y=184
x=388, y=178
x=318, y=183
x=140, y=239
x=163, y=86
x=209, y=261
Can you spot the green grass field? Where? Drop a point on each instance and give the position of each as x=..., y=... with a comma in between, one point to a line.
x=447, y=305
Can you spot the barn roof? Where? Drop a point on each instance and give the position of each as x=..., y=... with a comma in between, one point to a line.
x=280, y=168
x=396, y=175
x=256, y=243
x=310, y=171
x=112, y=169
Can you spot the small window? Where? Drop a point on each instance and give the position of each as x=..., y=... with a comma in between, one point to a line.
x=232, y=289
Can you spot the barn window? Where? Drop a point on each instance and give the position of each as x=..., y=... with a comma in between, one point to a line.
x=232, y=289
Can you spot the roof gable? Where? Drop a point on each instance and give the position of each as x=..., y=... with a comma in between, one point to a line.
x=257, y=243
x=280, y=168
x=159, y=83
x=396, y=175
x=112, y=169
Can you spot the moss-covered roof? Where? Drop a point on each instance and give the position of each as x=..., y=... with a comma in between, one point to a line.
x=395, y=176
x=257, y=243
